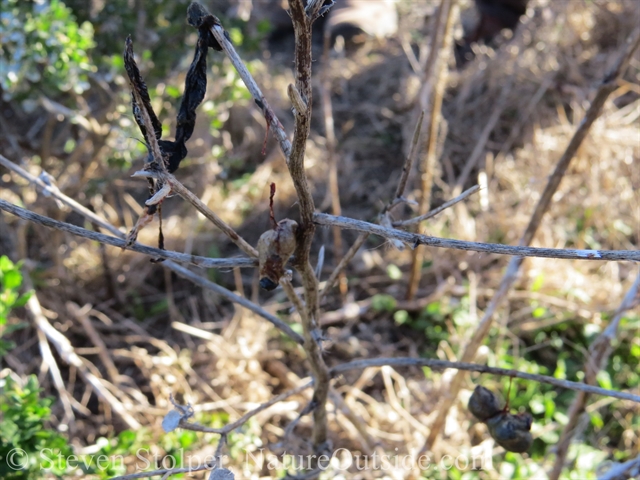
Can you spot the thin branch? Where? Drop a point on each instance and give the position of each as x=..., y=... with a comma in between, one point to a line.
x=52, y=190
x=204, y=262
x=473, y=367
x=165, y=471
x=415, y=239
x=343, y=263
x=185, y=193
x=196, y=427
x=439, y=57
x=209, y=285
x=408, y=163
x=599, y=353
x=441, y=208
x=384, y=217
x=119, y=242
x=272, y=120
x=608, y=85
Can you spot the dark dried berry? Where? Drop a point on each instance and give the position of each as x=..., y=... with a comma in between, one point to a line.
x=484, y=404
x=512, y=432
x=267, y=284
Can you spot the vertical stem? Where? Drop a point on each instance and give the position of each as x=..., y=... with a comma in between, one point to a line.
x=334, y=191
x=429, y=160
x=302, y=22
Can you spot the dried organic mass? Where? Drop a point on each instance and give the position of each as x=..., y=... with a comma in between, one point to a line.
x=173, y=152
x=510, y=431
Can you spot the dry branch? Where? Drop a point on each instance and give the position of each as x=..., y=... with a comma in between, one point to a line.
x=599, y=353
x=474, y=367
x=185, y=193
x=273, y=124
x=242, y=420
x=415, y=239
x=302, y=22
x=439, y=56
x=440, y=209
x=121, y=243
x=607, y=86
x=52, y=190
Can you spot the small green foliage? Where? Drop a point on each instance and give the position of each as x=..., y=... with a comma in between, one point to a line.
x=42, y=46
x=383, y=303
x=10, y=298
x=394, y=272
x=24, y=440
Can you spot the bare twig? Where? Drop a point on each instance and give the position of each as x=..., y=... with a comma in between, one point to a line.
x=473, y=367
x=441, y=208
x=415, y=239
x=428, y=165
x=69, y=356
x=272, y=120
x=177, y=187
x=294, y=154
x=608, y=85
x=49, y=190
x=599, y=353
x=343, y=263
x=121, y=243
x=242, y=420
x=408, y=164
x=209, y=285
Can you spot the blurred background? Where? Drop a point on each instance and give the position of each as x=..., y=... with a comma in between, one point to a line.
x=512, y=101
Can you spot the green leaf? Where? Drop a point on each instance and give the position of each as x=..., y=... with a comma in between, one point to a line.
x=12, y=279
x=401, y=317
x=383, y=302
x=394, y=272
